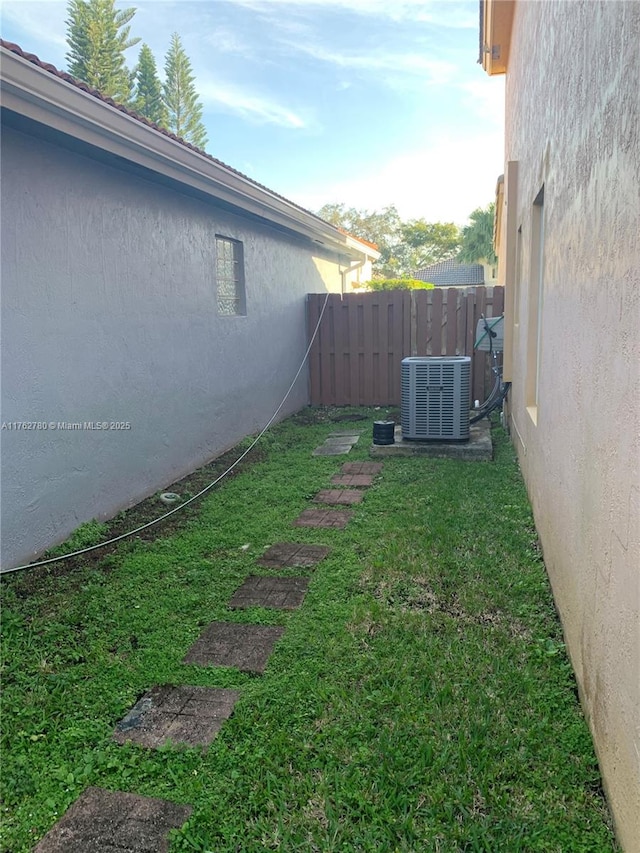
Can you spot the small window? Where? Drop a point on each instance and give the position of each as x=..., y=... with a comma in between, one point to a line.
x=534, y=308
x=230, y=277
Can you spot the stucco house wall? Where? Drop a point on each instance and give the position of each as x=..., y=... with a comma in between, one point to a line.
x=356, y=280
x=109, y=311
x=490, y=273
x=356, y=274
x=570, y=259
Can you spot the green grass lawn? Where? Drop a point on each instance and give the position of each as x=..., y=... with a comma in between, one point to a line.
x=419, y=700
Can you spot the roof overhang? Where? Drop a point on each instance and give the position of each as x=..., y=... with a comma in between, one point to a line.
x=362, y=246
x=34, y=93
x=496, y=18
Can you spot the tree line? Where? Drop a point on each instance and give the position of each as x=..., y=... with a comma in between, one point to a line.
x=406, y=247
x=98, y=35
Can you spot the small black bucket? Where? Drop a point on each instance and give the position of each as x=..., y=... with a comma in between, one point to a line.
x=383, y=432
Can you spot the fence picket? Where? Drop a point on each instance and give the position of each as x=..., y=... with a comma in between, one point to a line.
x=356, y=357
x=451, y=303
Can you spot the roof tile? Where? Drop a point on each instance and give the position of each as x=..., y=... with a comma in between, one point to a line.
x=450, y=273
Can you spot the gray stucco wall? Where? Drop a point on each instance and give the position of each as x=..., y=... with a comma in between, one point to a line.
x=573, y=125
x=109, y=314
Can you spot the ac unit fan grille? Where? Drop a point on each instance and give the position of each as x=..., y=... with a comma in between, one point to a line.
x=435, y=398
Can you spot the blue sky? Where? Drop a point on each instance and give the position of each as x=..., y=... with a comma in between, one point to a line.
x=366, y=102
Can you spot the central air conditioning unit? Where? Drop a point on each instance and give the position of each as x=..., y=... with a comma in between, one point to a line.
x=435, y=398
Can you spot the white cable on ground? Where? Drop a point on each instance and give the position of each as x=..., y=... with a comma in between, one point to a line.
x=202, y=491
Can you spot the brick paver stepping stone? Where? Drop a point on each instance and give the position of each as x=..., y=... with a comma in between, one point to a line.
x=188, y=715
x=323, y=518
x=332, y=449
x=361, y=467
x=293, y=554
x=338, y=496
x=337, y=443
x=246, y=647
x=278, y=593
x=355, y=480
x=114, y=822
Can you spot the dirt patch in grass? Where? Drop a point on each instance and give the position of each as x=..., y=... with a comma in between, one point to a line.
x=414, y=594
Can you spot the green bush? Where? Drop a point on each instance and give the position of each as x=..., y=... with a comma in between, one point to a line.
x=399, y=284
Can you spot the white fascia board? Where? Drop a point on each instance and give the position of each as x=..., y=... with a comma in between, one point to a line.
x=369, y=251
x=37, y=94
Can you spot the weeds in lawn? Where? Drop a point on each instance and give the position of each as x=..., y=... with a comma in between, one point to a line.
x=420, y=700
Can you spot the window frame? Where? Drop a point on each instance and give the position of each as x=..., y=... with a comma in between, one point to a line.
x=230, y=277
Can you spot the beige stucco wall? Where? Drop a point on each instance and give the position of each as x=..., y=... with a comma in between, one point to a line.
x=333, y=278
x=490, y=273
x=573, y=125
x=355, y=280
x=329, y=274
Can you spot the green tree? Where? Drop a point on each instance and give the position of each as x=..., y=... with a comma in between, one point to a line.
x=429, y=242
x=184, y=110
x=477, y=237
x=404, y=246
x=379, y=227
x=148, y=88
x=98, y=36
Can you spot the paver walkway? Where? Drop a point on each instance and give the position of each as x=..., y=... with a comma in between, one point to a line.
x=338, y=496
x=323, y=518
x=337, y=443
x=246, y=647
x=113, y=822
x=362, y=467
x=279, y=593
x=192, y=716
x=293, y=555
x=353, y=480
x=108, y=821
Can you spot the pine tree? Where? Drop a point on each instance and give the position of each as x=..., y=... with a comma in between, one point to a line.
x=148, y=89
x=180, y=97
x=98, y=35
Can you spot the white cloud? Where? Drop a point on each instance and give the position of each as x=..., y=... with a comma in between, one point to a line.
x=253, y=107
x=42, y=23
x=227, y=40
x=429, y=70
x=484, y=96
x=447, y=13
x=442, y=182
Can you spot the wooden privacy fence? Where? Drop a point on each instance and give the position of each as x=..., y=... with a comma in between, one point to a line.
x=363, y=337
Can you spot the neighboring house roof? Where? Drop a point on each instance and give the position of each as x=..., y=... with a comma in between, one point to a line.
x=40, y=92
x=451, y=273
